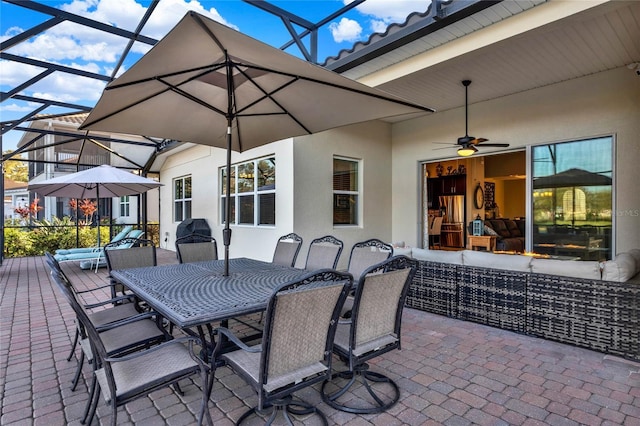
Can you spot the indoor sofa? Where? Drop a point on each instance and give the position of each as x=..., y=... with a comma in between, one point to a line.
x=509, y=234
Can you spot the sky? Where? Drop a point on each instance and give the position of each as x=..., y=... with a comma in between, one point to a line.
x=83, y=48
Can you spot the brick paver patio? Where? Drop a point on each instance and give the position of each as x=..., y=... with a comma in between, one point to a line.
x=450, y=372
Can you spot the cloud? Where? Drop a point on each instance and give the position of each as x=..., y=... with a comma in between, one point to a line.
x=17, y=108
x=378, y=26
x=391, y=10
x=70, y=41
x=89, y=49
x=345, y=30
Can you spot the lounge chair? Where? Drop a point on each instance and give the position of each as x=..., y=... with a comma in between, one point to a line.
x=120, y=235
x=94, y=258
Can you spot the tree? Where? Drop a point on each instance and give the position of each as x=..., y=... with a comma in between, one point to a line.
x=16, y=170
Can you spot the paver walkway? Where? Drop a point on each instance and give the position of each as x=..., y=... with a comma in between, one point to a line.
x=450, y=372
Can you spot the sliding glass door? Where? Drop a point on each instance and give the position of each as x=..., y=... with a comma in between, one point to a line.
x=572, y=199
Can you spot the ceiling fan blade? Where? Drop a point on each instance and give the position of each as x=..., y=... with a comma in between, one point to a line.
x=499, y=145
x=476, y=141
x=446, y=147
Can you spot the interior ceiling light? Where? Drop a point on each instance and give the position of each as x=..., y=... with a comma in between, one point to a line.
x=467, y=151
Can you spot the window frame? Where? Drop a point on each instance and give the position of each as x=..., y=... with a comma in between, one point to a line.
x=253, y=191
x=186, y=214
x=531, y=211
x=125, y=202
x=349, y=193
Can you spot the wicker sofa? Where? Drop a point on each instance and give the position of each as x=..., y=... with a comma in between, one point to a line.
x=588, y=304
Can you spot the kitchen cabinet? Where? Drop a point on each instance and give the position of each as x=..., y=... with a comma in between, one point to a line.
x=453, y=185
x=445, y=185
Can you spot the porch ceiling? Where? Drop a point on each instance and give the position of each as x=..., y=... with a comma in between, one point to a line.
x=603, y=36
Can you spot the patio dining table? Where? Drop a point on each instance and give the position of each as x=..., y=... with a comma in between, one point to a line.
x=195, y=294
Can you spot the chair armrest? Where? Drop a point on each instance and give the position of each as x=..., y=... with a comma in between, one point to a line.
x=234, y=339
x=128, y=297
x=191, y=339
x=94, y=289
x=125, y=321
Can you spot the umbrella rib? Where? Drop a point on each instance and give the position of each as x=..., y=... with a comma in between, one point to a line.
x=118, y=111
x=192, y=98
x=268, y=95
x=204, y=68
x=338, y=86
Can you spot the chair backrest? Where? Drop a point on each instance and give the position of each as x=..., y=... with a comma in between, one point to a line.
x=323, y=253
x=366, y=254
x=97, y=346
x=196, y=248
x=300, y=325
x=136, y=233
x=436, y=226
x=123, y=254
x=287, y=249
x=123, y=233
x=54, y=265
x=377, y=307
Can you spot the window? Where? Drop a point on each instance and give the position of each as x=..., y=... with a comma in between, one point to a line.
x=253, y=193
x=572, y=199
x=182, y=199
x=346, y=194
x=124, y=206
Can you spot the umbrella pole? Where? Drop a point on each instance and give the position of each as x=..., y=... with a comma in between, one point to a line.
x=98, y=211
x=226, y=233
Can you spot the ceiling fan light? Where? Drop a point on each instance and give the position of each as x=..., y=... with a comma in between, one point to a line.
x=467, y=151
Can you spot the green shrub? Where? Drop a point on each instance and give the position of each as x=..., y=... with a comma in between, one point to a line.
x=49, y=236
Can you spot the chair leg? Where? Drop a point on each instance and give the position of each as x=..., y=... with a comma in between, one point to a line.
x=74, y=344
x=285, y=408
x=94, y=397
x=76, y=378
x=382, y=399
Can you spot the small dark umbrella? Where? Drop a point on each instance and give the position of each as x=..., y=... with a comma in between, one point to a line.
x=572, y=178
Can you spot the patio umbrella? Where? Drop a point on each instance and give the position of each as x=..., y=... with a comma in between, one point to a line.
x=571, y=178
x=103, y=181
x=209, y=84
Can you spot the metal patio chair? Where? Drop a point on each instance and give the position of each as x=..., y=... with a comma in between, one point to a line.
x=372, y=330
x=287, y=250
x=128, y=253
x=126, y=377
x=106, y=311
x=196, y=248
x=366, y=254
x=323, y=253
x=295, y=353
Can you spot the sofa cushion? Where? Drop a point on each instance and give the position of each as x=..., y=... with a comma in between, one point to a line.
x=442, y=256
x=500, y=227
x=402, y=251
x=496, y=261
x=620, y=269
x=635, y=253
x=489, y=231
x=567, y=268
x=514, y=231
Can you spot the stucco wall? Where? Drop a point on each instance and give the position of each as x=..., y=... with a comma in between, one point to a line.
x=368, y=142
x=203, y=163
x=607, y=103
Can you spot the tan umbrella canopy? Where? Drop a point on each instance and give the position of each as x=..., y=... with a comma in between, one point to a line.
x=209, y=84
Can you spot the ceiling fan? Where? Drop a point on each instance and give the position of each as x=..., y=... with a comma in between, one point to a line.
x=467, y=144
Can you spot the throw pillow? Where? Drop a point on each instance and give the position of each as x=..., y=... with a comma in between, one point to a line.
x=489, y=231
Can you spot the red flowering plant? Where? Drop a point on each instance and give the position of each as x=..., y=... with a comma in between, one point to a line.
x=32, y=209
x=88, y=208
